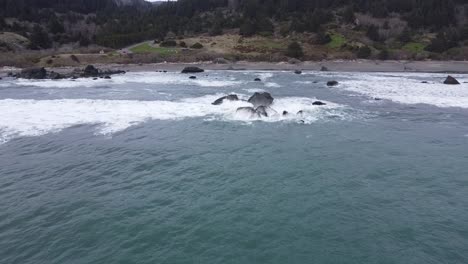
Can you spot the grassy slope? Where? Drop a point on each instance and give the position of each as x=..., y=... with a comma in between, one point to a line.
x=147, y=48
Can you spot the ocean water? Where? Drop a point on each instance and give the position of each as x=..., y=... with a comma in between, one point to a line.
x=143, y=169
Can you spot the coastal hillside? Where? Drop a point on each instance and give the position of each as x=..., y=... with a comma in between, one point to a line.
x=126, y=31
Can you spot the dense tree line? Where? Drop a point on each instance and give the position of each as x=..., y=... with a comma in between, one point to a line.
x=123, y=25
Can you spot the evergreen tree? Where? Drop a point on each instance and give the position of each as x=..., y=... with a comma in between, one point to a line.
x=364, y=52
x=373, y=33
x=39, y=38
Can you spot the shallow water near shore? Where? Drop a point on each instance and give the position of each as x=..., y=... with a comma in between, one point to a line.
x=143, y=169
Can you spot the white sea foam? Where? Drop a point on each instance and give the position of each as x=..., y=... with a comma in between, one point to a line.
x=254, y=90
x=408, y=89
x=38, y=117
x=272, y=85
x=133, y=77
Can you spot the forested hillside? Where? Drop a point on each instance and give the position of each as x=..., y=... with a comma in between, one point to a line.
x=359, y=28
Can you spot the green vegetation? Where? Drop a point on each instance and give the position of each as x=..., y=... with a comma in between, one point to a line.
x=337, y=40
x=414, y=47
x=146, y=48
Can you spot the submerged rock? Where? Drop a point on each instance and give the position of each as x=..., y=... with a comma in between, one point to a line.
x=231, y=97
x=298, y=72
x=300, y=113
x=33, y=73
x=192, y=77
x=285, y=113
x=192, y=69
x=261, y=99
x=262, y=111
x=332, y=83
x=318, y=103
x=451, y=80
x=324, y=68
x=257, y=80
x=248, y=111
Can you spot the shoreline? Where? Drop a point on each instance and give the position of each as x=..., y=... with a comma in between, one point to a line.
x=455, y=67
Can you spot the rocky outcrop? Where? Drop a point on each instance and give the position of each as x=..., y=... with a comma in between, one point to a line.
x=261, y=99
x=55, y=76
x=231, y=97
x=33, y=73
x=332, y=83
x=90, y=71
x=452, y=81
x=192, y=69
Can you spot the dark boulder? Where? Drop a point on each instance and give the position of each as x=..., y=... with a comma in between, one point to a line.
x=192, y=77
x=192, y=69
x=261, y=99
x=107, y=77
x=332, y=83
x=33, y=73
x=424, y=82
x=257, y=80
x=262, y=111
x=231, y=97
x=90, y=71
x=298, y=72
x=324, y=68
x=285, y=113
x=451, y=80
x=318, y=103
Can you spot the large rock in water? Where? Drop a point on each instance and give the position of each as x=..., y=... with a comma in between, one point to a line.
x=451, y=80
x=261, y=99
x=332, y=83
x=231, y=97
x=192, y=70
x=33, y=73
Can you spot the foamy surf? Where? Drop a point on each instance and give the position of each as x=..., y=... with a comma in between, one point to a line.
x=409, y=89
x=20, y=118
x=169, y=78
